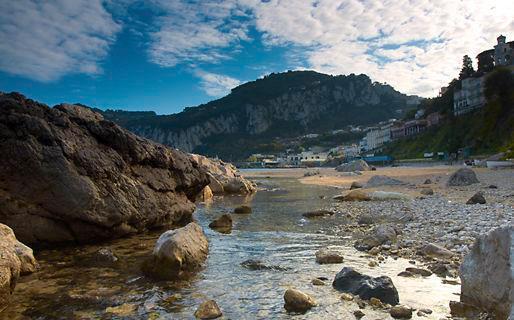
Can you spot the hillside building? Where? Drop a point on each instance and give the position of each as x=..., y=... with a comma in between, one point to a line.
x=378, y=136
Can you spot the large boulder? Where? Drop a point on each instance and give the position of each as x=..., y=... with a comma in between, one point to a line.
x=380, y=180
x=68, y=175
x=178, y=252
x=224, y=178
x=15, y=259
x=354, y=195
x=462, y=177
x=350, y=281
x=487, y=275
x=356, y=165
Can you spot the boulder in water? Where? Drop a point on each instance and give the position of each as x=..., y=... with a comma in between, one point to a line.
x=178, y=251
x=243, y=210
x=15, y=259
x=318, y=213
x=487, y=279
x=297, y=301
x=208, y=310
x=350, y=281
x=205, y=195
x=462, y=177
x=356, y=165
x=223, y=223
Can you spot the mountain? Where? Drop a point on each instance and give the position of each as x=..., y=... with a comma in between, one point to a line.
x=277, y=106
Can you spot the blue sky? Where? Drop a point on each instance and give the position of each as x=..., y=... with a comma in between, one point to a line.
x=166, y=55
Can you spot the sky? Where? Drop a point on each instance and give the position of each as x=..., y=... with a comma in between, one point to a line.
x=164, y=55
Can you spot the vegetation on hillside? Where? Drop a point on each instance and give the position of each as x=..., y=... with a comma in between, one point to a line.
x=486, y=130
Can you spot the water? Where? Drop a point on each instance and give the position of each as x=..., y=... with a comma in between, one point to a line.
x=69, y=286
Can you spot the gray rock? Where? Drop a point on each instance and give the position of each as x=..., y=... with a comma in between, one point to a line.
x=366, y=219
x=486, y=273
x=427, y=191
x=419, y=271
x=462, y=177
x=400, y=312
x=477, y=198
x=356, y=165
x=350, y=281
x=356, y=185
x=178, y=252
x=435, y=251
x=318, y=213
x=297, y=301
x=382, y=234
x=378, y=181
x=253, y=264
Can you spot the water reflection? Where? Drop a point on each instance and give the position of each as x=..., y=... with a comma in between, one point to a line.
x=275, y=233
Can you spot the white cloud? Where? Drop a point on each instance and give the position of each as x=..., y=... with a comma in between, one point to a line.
x=415, y=45
x=216, y=85
x=193, y=32
x=44, y=40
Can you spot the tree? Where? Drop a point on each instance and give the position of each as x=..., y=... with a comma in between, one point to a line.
x=467, y=68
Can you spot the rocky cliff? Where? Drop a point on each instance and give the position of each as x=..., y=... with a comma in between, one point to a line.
x=68, y=175
x=279, y=105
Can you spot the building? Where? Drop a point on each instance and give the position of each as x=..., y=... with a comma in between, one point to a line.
x=409, y=128
x=433, y=119
x=470, y=96
x=378, y=136
x=503, y=52
x=307, y=158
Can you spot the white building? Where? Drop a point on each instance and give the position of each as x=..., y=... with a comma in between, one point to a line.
x=307, y=158
x=470, y=96
x=378, y=136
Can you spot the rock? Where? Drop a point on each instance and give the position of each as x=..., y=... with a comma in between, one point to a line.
x=311, y=173
x=464, y=310
x=69, y=176
x=297, y=301
x=325, y=256
x=124, y=310
x=358, y=314
x=439, y=268
x=253, y=264
x=224, y=178
x=462, y=177
x=178, y=251
x=401, y=312
x=423, y=312
x=106, y=256
x=317, y=282
x=427, y=191
x=318, y=213
x=379, y=181
x=435, y=251
x=222, y=224
x=380, y=235
x=419, y=271
x=356, y=185
x=350, y=281
x=376, y=303
x=356, y=165
x=406, y=274
x=243, y=210
x=15, y=259
x=477, y=198
x=346, y=297
x=486, y=273
x=373, y=263
x=208, y=310
x=385, y=195
x=492, y=186
x=354, y=195
x=205, y=195
x=427, y=181
x=366, y=219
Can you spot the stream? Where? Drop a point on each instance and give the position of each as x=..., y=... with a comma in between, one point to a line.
x=70, y=285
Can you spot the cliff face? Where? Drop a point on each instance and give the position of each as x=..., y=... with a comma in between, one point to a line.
x=280, y=105
x=68, y=175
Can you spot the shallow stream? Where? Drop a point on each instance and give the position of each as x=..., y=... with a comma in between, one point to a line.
x=70, y=286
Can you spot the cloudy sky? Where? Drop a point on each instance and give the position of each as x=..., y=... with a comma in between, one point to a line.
x=164, y=55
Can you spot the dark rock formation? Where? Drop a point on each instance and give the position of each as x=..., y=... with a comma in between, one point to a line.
x=462, y=177
x=253, y=264
x=68, y=175
x=350, y=281
x=243, y=210
x=318, y=213
x=477, y=198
